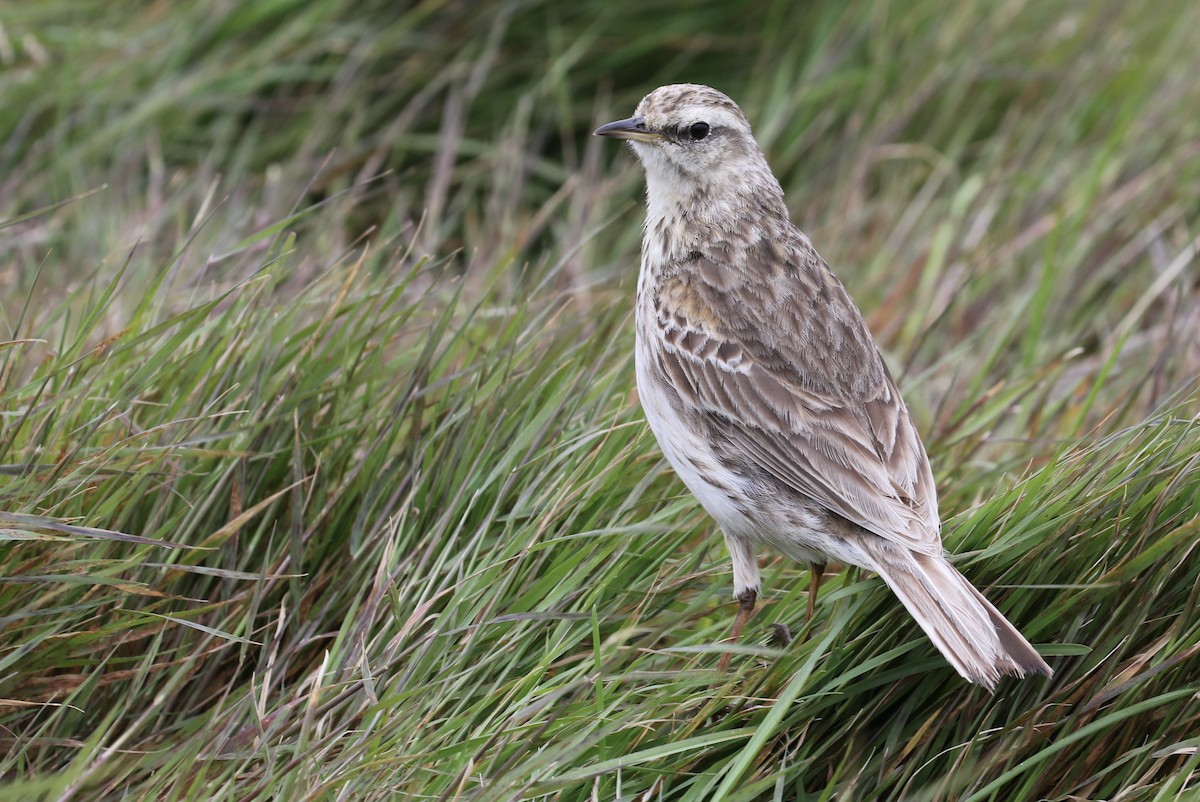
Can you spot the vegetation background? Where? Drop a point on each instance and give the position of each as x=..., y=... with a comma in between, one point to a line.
x=323, y=477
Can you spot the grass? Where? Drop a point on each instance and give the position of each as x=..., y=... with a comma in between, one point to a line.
x=323, y=475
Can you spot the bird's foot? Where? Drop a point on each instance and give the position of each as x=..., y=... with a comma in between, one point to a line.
x=746, y=600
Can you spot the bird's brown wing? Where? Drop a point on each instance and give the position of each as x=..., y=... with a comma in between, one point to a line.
x=781, y=363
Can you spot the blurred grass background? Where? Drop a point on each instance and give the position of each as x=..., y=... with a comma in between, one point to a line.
x=321, y=471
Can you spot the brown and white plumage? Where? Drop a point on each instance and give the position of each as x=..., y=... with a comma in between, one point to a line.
x=765, y=389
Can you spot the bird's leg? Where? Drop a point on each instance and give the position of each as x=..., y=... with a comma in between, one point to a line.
x=746, y=583
x=746, y=600
x=815, y=572
x=745, y=610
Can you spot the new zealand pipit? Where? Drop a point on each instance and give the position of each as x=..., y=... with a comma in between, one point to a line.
x=766, y=392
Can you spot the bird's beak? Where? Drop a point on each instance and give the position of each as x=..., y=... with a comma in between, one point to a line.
x=634, y=128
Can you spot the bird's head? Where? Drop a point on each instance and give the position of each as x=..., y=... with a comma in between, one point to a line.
x=689, y=131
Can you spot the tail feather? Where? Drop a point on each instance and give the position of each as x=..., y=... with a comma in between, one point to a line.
x=975, y=638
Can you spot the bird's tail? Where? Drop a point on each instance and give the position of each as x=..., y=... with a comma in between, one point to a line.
x=977, y=640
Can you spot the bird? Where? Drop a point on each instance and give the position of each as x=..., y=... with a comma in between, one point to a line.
x=767, y=393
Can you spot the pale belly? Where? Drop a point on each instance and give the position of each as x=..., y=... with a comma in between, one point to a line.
x=689, y=454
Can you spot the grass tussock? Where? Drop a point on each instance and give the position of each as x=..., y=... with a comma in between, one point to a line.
x=321, y=471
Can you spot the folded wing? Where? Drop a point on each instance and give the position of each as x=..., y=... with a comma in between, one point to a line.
x=826, y=422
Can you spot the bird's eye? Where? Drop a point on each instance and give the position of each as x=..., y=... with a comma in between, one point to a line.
x=698, y=130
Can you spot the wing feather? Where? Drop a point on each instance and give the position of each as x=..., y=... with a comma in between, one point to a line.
x=830, y=426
